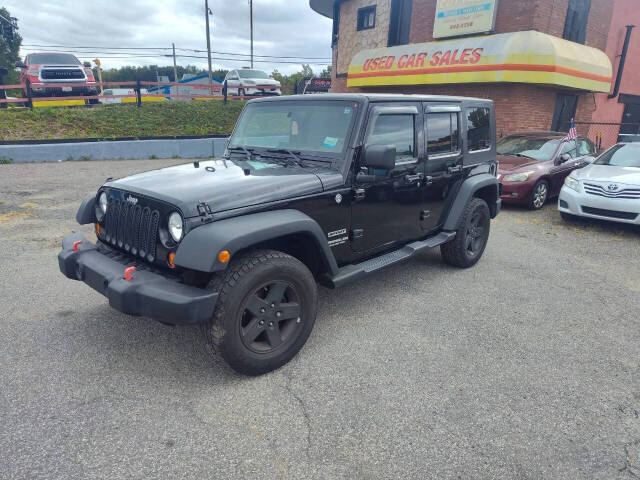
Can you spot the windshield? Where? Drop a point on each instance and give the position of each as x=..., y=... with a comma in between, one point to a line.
x=541, y=149
x=252, y=74
x=627, y=155
x=320, y=127
x=53, y=58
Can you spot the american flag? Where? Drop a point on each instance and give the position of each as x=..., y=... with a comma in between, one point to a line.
x=572, y=132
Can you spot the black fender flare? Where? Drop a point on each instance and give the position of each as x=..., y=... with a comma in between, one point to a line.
x=199, y=249
x=87, y=211
x=467, y=191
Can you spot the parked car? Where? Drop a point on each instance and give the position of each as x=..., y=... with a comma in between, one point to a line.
x=312, y=188
x=40, y=69
x=533, y=165
x=608, y=189
x=245, y=81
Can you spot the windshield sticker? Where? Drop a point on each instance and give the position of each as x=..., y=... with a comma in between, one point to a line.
x=330, y=142
x=347, y=111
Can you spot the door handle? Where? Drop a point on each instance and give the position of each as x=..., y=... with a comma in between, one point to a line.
x=413, y=178
x=454, y=169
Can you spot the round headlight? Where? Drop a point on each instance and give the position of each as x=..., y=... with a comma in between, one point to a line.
x=175, y=226
x=102, y=202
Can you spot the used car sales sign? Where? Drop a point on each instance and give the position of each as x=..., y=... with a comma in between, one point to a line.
x=520, y=57
x=464, y=17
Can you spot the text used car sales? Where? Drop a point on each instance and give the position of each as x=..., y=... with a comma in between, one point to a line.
x=437, y=59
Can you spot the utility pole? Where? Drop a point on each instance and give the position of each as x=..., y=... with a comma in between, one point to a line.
x=207, y=12
x=251, y=22
x=175, y=71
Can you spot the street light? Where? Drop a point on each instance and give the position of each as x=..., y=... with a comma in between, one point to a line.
x=207, y=12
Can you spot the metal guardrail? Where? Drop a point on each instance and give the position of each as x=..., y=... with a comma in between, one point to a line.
x=215, y=92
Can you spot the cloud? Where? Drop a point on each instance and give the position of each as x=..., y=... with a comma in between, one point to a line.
x=282, y=28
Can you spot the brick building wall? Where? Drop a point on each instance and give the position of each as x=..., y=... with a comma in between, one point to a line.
x=518, y=106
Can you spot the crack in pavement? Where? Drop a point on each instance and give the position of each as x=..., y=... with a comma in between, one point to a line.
x=305, y=413
x=629, y=466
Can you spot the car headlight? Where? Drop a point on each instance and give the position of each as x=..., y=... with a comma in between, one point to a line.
x=572, y=183
x=517, y=177
x=102, y=203
x=175, y=226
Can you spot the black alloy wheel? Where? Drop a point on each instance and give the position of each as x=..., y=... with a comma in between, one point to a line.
x=270, y=318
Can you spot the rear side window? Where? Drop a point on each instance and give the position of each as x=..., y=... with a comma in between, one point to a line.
x=478, y=128
x=585, y=147
x=442, y=133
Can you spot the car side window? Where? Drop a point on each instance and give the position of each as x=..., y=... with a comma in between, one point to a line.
x=570, y=148
x=585, y=147
x=478, y=128
x=442, y=133
x=396, y=130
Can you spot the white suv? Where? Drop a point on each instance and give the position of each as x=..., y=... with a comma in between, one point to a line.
x=251, y=82
x=608, y=189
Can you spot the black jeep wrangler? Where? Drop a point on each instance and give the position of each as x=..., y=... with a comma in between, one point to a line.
x=311, y=189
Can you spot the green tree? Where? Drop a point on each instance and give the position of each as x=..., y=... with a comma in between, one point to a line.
x=10, y=42
x=326, y=73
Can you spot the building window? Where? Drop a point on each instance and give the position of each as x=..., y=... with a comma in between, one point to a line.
x=575, y=26
x=442, y=133
x=564, y=111
x=396, y=130
x=336, y=24
x=478, y=129
x=366, y=17
x=400, y=22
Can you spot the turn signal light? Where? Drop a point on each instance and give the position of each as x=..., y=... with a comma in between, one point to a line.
x=170, y=260
x=97, y=229
x=224, y=256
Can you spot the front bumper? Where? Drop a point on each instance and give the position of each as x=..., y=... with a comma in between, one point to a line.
x=593, y=206
x=148, y=294
x=42, y=90
x=262, y=91
x=515, y=192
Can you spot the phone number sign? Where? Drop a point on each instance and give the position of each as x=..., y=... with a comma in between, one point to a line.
x=464, y=17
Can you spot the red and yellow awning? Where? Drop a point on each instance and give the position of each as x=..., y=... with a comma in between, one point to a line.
x=518, y=57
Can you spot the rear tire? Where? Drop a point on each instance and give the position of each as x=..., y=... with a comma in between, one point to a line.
x=472, y=233
x=265, y=313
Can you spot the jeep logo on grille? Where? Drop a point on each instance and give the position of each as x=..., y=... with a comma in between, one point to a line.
x=613, y=187
x=132, y=200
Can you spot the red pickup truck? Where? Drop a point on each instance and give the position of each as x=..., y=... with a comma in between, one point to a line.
x=41, y=69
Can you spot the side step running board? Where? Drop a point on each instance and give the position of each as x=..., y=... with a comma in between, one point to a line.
x=351, y=273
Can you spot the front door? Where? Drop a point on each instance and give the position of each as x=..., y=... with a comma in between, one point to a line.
x=580, y=153
x=387, y=205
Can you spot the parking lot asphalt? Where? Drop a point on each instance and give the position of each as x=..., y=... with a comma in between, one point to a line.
x=526, y=366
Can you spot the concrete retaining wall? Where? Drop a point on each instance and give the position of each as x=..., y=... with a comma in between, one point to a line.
x=127, y=149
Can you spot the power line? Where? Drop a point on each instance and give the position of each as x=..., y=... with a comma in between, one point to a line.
x=106, y=49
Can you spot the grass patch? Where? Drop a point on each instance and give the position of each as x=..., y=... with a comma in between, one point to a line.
x=5, y=160
x=124, y=120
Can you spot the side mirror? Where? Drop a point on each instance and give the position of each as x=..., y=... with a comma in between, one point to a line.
x=21, y=65
x=86, y=64
x=379, y=156
x=565, y=157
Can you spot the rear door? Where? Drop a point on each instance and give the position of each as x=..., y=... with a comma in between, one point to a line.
x=444, y=160
x=388, y=204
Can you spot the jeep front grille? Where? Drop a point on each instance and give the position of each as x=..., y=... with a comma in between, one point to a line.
x=133, y=228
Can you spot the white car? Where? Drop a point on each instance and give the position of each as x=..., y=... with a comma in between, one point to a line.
x=251, y=82
x=608, y=189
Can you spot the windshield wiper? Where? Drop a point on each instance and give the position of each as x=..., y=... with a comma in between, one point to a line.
x=516, y=155
x=246, y=151
x=293, y=156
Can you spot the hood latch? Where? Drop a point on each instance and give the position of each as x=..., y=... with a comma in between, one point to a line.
x=204, y=210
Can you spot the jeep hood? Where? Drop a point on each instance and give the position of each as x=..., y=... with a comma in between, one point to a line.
x=227, y=184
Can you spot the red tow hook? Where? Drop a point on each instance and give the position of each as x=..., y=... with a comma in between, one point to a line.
x=128, y=273
x=76, y=245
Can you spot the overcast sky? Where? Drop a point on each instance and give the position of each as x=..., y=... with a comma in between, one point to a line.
x=284, y=28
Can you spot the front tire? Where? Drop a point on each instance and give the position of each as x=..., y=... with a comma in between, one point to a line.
x=265, y=313
x=539, y=195
x=472, y=233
